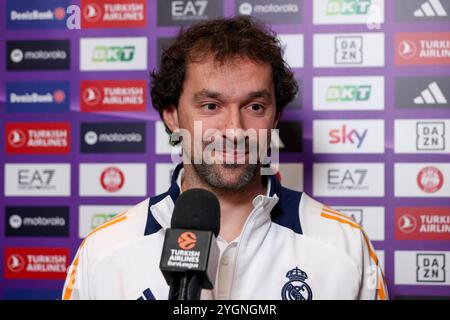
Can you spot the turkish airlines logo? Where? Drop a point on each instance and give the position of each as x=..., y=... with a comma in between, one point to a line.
x=34, y=137
x=17, y=138
x=422, y=223
x=112, y=14
x=407, y=223
x=423, y=48
x=36, y=263
x=112, y=179
x=430, y=179
x=92, y=12
x=187, y=240
x=113, y=95
x=15, y=263
x=407, y=49
x=92, y=96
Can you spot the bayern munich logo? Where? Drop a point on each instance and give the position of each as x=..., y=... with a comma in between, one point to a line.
x=430, y=179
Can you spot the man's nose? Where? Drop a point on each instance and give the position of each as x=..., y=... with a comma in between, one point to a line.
x=234, y=120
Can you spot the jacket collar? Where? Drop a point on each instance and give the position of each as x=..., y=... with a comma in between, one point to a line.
x=161, y=207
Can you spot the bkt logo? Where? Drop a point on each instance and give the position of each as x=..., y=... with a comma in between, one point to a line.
x=348, y=7
x=113, y=54
x=344, y=135
x=42, y=96
x=338, y=93
x=430, y=136
x=48, y=14
x=430, y=268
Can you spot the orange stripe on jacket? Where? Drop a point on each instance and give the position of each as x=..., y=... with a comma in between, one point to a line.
x=68, y=290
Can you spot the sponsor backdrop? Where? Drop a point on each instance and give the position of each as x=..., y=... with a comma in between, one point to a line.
x=369, y=133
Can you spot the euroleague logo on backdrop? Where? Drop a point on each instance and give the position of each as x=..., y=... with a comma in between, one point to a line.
x=112, y=179
x=17, y=138
x=92, y=96
x=16, y=263
x=407, y=223
x=430, y=179
x=187, y=240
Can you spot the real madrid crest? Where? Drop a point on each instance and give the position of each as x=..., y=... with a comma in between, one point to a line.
x=296, y=288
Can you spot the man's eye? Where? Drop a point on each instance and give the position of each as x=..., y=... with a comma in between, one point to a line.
x=210, y=106
x=256, y=107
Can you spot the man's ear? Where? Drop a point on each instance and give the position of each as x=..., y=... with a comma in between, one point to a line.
x=170, y=117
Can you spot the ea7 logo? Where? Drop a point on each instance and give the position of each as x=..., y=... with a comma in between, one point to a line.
x=346, y=178
x=190, y=8
x=37, y=179
x=348, y=93
x=430, y=267
x=112, y=54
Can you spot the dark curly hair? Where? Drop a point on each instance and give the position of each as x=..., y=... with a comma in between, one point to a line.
x=224, y=38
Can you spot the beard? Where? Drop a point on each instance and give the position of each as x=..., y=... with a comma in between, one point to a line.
x=226, y=177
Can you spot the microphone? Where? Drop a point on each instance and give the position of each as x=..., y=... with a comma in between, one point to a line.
x=190, y=254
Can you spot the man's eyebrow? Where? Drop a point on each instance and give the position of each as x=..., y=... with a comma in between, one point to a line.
x=206, y=94
x=209, y=94
x=260, y=94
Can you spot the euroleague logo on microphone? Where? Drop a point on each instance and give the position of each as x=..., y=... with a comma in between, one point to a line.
x=187, y=240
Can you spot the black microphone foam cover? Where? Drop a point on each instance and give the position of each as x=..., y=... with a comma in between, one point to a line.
x=197, y=209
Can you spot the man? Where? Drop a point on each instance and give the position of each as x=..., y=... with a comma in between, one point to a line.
x=222, y=76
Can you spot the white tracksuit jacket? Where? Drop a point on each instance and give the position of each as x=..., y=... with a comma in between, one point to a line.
x=291, y=247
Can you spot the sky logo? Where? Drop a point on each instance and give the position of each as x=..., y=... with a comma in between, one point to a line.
x=345, y=136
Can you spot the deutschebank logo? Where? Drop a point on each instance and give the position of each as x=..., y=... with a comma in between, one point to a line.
x=184, y=12
x=348, y=93
x=37, y=138
x=422, y=92
x=103, y=54
x=39, y=96
x=422, y=10
x=369, y=12
x=38, y=55
x=113, y=137
x=348, y=50
x=113, y=95
x=49, y=14
x=422, y=48
x=36, y=263
x=276, y=12
x=113, y=14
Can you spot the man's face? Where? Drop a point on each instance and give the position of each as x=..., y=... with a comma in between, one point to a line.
x=236, y=95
